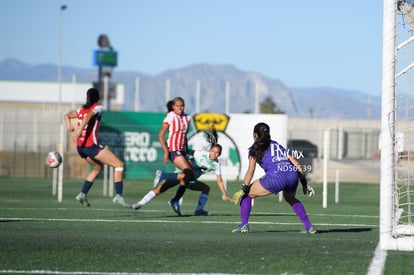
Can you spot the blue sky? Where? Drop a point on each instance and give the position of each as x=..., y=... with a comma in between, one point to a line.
x=301, y=43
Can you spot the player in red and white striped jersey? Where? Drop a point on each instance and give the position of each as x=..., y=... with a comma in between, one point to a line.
x=177, y=124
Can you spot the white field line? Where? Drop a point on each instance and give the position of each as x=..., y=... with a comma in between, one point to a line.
x=100, y=273
x=377, y=264
x=174, y=221
x=159, y=211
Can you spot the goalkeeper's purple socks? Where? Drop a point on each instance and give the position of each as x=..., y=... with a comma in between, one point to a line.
x=301, y=213
x=245, y=208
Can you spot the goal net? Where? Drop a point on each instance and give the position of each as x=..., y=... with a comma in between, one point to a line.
x=397, y=127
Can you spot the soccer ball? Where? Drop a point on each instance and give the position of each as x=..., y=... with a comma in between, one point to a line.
x=53, y=159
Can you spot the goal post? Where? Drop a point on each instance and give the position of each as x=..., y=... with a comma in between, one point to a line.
x=396, y=197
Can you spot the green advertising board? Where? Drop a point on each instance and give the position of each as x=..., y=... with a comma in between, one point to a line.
x=133, y=137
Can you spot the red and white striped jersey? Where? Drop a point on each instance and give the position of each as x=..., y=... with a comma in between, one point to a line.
x=89, y=134
x=178, y=126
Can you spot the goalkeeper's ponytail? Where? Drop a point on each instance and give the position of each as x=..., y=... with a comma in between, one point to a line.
x=261, y=143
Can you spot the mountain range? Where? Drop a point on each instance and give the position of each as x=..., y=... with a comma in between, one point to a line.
x=304, y=102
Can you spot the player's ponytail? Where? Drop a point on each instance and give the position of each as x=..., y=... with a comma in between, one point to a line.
x=211, y=136
x=262, y=142
x=169, y=105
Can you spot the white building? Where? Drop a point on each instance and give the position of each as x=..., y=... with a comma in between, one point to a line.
x=51, y=93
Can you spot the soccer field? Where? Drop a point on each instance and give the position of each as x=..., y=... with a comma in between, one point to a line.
x=39, y=235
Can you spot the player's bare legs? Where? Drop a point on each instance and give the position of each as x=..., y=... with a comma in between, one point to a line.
x=96, y=169
x=107, y=157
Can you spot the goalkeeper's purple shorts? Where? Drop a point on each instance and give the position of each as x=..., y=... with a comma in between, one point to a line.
x=280, y=181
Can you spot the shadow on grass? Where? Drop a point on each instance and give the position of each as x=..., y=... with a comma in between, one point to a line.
x=201, y=216
x=215, y=214
x=346, y=230
x=342, y=230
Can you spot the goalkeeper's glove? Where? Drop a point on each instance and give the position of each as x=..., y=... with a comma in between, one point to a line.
x=237, y=197
x=244, y=191
x=245, y=188
x=307, y=190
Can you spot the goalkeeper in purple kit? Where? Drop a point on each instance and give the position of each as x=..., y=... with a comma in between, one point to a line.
x=283, y=173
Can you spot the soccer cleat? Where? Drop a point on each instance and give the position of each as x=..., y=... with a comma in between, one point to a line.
x=243, y=228
x=237, y=197
x=202, y=212
x=175, y=205
x=119, y=200
x=311, y=230
x=81, y=197
x=157, y=178
x=136, y=206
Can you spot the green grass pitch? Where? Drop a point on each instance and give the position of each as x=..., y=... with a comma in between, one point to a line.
x=40, y=235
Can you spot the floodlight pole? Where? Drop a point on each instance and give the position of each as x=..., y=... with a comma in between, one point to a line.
x=105, y=57
x=62, y=9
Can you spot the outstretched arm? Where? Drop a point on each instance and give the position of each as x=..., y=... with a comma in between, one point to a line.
x=222, y=188
x=250, y=171
x=296, y=164
x=307, y=190
x=245, y=188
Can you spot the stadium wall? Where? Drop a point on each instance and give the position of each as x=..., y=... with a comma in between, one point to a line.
x=28, y=132
x=30, y=121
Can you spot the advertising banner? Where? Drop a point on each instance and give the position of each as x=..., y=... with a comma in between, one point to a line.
x=133, y=137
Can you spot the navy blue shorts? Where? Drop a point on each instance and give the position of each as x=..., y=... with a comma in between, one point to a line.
x=175, y=154
x=90, y=151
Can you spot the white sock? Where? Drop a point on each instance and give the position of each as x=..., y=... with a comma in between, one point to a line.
x=147, y=198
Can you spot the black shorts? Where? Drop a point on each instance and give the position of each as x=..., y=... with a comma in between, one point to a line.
x=90, y=151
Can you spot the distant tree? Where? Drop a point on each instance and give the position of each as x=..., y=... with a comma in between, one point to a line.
x=267, y=106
